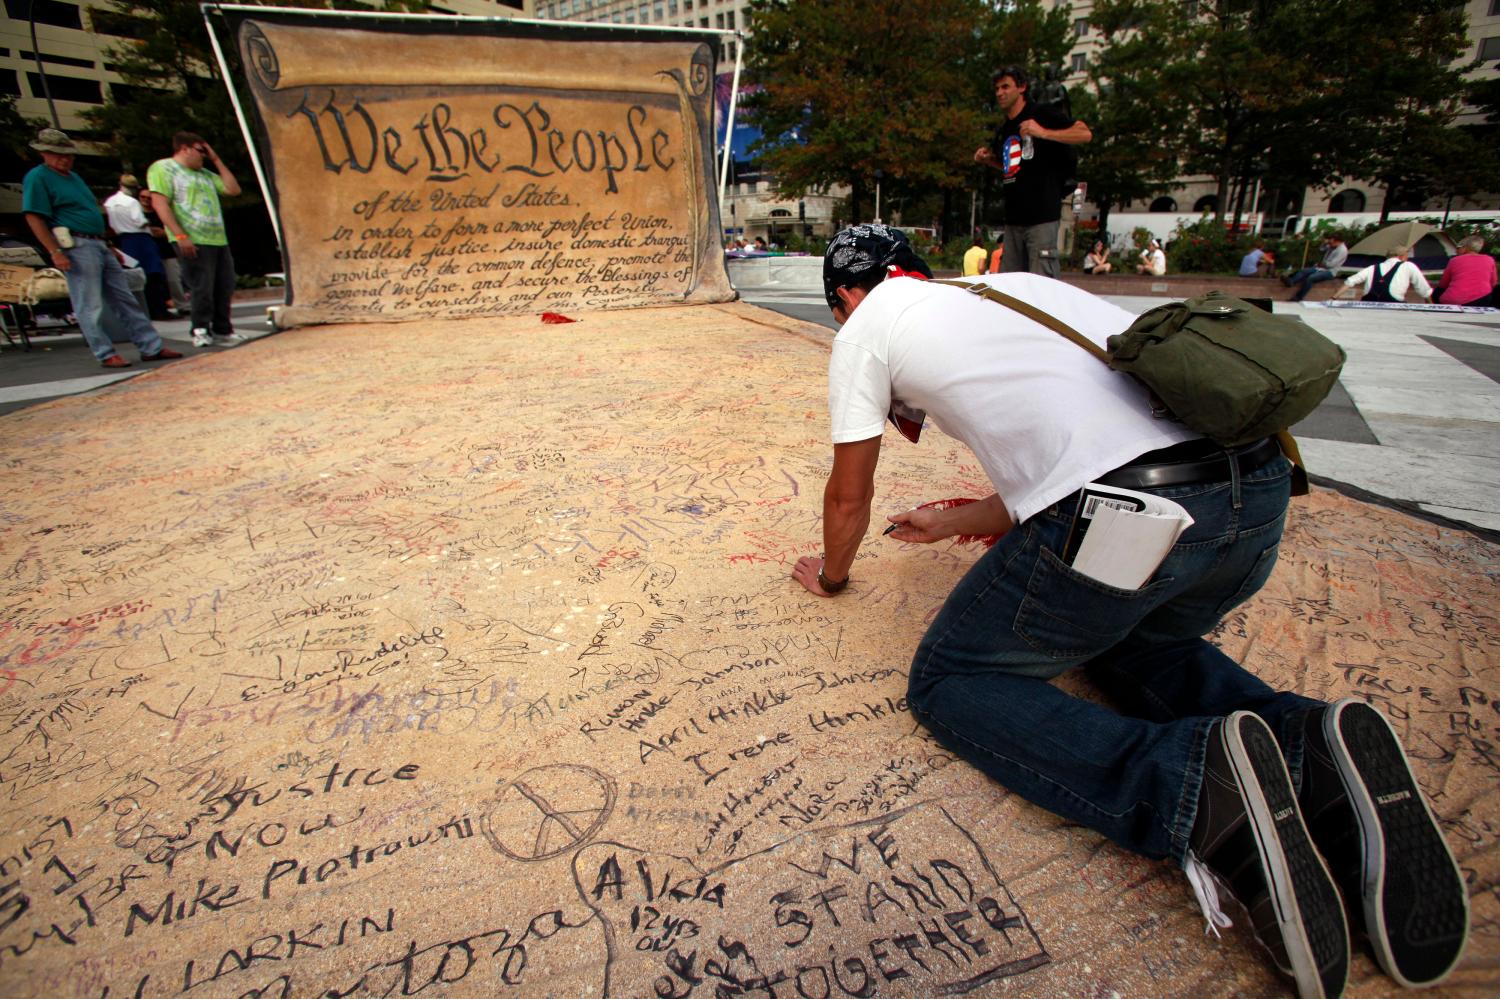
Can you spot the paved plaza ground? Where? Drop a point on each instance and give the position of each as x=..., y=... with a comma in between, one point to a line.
x=462, y=659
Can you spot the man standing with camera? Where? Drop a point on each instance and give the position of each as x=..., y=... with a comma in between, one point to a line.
x=186, y=197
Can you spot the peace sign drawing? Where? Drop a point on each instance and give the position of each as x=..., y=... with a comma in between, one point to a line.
x=548, y=810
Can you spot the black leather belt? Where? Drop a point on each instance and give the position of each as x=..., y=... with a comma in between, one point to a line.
x=1190, y=463
x=84, y=235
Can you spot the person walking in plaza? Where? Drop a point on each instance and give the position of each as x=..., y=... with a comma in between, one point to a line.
x=64, y=216
x=1035, y=167
x=1389, y=280
x=1291, y=803
x=133, y=236
x=1334, y=255
x=186, y=197
x=1469, y=278
x=974, y=257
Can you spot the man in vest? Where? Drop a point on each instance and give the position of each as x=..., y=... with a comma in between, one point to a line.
x=1391, y=279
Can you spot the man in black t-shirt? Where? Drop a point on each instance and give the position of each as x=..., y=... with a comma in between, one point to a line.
x=1028, y=150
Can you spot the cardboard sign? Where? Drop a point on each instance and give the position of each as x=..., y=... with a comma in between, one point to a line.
x=453, y=168
x=13, y=281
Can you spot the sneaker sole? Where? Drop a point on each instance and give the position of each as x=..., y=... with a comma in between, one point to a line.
x=1309, y=909
x=1415, y=904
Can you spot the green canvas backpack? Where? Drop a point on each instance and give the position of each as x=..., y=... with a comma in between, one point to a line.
x=1215, y=363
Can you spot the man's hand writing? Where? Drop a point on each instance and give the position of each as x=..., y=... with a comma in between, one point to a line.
x=919, y=526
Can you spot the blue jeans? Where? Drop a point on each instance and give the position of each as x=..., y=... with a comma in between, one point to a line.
x=1020, y=617
x=95, y=278
x=1306, y=278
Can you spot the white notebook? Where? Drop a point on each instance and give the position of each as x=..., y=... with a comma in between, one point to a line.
x=1120, y=536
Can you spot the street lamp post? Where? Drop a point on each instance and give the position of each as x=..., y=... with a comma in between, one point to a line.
x=37, y=55
x=879, y=175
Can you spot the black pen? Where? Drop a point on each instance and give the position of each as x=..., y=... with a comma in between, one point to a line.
x=889, y=529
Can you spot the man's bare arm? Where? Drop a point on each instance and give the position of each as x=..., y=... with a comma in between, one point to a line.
x=846, y=513
x=163, y=205
x=43, y=233
x=988, y=516
x=1075, y=134
x=231, y=186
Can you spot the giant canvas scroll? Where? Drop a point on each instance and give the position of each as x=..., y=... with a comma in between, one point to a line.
x=450, y=167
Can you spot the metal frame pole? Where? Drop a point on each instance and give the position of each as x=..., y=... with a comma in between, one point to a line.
x=239, y=114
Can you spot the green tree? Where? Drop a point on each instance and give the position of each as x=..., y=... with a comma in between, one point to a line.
x=16, y=134
x=852, y=87
x=172, y=83
x=1134, y=153
x=1289, y=93
x=1413, y=93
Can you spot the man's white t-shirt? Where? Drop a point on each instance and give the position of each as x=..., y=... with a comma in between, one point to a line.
x=1408, y=275
x=125, y=213
x=1042, y=415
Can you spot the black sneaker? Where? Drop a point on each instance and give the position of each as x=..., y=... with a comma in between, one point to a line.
x=1249, y=834
x=1388, y=855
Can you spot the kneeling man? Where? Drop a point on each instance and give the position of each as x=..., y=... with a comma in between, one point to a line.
x=1290, y=803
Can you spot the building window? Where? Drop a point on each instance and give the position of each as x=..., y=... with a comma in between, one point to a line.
x=67, y=88
x=109, y=22
x=1494, y=8
x=1489, y=49
x=126, y=95
x=60, y=15
x=1207, y=203
x=10, y=83
x=702, y=22
x=1164, y=205
x=1081, y=27
x=59, y=60
x=1348, y=201
x=719, y=20
x=1080, y=61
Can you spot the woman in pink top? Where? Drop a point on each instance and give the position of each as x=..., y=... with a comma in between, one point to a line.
x=1469, y=278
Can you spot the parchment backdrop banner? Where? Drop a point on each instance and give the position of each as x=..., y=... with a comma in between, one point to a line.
x=460, y=167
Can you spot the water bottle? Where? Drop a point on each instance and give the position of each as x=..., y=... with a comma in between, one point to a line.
x=1026, y=147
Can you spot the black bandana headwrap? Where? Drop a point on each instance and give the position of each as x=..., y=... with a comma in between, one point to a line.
x=859, y=249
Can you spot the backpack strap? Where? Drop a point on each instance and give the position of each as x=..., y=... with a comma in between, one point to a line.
x=1300, y=485
x=1033, y=313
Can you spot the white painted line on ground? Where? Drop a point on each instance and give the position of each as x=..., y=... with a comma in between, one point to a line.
x=68, y=386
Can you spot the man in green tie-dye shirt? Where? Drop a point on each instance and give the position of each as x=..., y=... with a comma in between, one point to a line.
x=186, y=196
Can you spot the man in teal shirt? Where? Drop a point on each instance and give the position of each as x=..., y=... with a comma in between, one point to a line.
x=186, y=197
x=65, y=218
